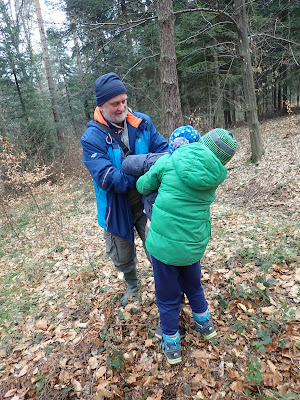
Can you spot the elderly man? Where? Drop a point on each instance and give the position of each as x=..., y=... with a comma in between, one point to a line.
x=114, y=133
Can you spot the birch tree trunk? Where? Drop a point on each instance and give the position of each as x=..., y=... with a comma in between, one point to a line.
x=170, y=98
x=49, y=76
x=257, y=148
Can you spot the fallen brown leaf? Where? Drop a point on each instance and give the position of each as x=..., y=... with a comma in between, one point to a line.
x=237, y=386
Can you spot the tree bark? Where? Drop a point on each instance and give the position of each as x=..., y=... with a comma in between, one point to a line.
x=79, y=65
x=49, y=76
x=8, y=33
x=219, y=117
x=76, y=45
x=170, y=98
x=248, y=81
x=284, y=90
x=124, y=14
x=13, y=68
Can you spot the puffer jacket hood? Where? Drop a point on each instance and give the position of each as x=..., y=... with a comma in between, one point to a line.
x=197, y=167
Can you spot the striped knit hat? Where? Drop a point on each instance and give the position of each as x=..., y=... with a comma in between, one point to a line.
x=222, y=143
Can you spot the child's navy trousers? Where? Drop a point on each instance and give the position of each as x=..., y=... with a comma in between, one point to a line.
x=170, y=281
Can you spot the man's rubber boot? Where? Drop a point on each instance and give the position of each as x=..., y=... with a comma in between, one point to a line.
x=132, y=285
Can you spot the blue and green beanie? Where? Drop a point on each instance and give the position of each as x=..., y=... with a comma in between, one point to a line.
x=222, y=143
x=183, y=135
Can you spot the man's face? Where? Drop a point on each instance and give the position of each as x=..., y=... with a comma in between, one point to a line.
x=115, y=109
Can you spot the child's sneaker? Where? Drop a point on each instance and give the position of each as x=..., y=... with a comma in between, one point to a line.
x=172, y=348
x=159, y=332
x=205, y=326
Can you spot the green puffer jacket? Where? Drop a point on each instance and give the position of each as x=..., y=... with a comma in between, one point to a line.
x=186, y=181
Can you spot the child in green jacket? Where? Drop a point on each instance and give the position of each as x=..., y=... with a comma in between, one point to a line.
x=180, y=228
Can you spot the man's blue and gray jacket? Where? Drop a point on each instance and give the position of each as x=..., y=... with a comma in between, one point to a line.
x=103, y=157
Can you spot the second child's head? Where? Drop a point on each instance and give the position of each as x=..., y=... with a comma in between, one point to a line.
x=183, y=135
x=222, y=143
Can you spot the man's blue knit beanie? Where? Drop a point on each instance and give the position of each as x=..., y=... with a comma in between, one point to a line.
x=108, y=86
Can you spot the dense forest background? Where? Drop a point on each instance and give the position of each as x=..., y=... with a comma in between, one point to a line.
x=63, y=332
x=47, y=79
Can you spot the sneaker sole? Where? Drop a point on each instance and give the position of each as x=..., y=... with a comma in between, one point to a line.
x=210, y=336
x=207, y=336
x=174, y=361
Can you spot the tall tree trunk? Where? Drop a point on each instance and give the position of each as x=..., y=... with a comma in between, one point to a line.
x=124, y=14
x=219, y=117
x=19, y=93
x=76, y=46
x=49, y=75
x=279, y=100
x=28, y=37
x=8, y=32
x=233, y=102
x=248, y=81
x=284, y=90
x=170, y=98
x=72, y=111
x=227, y=107
x=79, y=65
x=13, y=68
x=274, y=92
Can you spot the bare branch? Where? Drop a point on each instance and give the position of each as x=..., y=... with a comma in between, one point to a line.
x=199, y=50
x=201, y=31
x=293, y=55
x=137, y=63
x=144, y=20
x=209, y=11
x=120, y=24
x=276, y=38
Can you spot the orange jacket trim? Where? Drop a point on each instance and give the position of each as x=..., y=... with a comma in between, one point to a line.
x=131, y=119
x=108, y=216
x=105, y=176
x=99, y=117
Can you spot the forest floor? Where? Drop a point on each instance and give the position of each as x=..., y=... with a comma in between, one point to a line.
x=64, y=334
